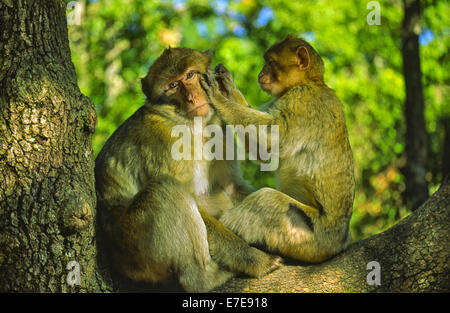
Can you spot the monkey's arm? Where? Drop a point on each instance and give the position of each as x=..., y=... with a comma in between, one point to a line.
x=233, y=113
x=233, y=252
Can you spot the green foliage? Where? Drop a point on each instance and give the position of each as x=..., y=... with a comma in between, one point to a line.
x=118, y=40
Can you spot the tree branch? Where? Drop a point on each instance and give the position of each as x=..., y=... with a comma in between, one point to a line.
x=413, y=255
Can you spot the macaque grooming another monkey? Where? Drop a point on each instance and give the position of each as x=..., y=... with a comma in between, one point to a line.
x=154, y=211
x=307, y=217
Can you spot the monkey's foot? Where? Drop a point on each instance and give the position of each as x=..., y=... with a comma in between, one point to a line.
x=265, y=263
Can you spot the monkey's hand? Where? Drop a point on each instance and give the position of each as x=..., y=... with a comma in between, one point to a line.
x=223, y=77
x=227, y=85
x=231, y=112
x=212, y=89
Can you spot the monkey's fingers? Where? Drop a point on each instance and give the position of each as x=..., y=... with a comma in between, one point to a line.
x=222, y=87
x=207, y=78
x=227, y=85
x=209, y=84
x=220, y=69
x=219, y=77
x=225, y=75
x=205, y=84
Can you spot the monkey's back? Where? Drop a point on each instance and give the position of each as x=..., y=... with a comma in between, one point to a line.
x=315, y=153
x=137, y=151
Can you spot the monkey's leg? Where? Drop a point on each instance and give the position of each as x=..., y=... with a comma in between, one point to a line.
x=230, y=251
x=271, y=218
x=162, y=232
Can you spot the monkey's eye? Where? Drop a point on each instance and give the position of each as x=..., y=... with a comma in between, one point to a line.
x=190, y=74
x=173, y=85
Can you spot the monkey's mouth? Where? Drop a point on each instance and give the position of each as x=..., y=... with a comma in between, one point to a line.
x=198, y=107
x=264, y=85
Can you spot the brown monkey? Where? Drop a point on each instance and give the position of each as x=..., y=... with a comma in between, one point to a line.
x=307, y=218
x=152, y=208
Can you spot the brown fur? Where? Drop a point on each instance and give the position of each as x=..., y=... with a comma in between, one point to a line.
x=150, y=209
x=307, y=217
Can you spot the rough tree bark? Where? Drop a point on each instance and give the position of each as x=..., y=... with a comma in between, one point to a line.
x=47, y=196
x=414, y=256
x=446, y=148
x=47, y=192
x=416, y=136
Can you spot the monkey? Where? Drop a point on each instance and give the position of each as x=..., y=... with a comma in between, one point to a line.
x=307, y=216
x=157, y=213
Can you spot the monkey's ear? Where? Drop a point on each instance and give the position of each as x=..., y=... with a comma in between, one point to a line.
x=209, y=53
x=167, y=50
x=303, y=59
x=290, y=36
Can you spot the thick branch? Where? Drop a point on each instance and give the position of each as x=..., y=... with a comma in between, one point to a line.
x=413, y=255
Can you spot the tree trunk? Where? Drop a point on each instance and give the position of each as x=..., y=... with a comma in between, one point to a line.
x=413, y=257
x=47, y=192
x=416, y=137
x=446, y=149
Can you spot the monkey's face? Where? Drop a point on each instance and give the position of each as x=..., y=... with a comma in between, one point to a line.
x=285, y=67
x=269, y=77
x=185, y=89
x=174, y=79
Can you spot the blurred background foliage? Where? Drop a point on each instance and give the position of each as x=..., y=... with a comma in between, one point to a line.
x=117, y=40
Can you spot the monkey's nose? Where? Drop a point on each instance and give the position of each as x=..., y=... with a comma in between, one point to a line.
x=260, y=78
x=191, y=98
x=263, y=78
